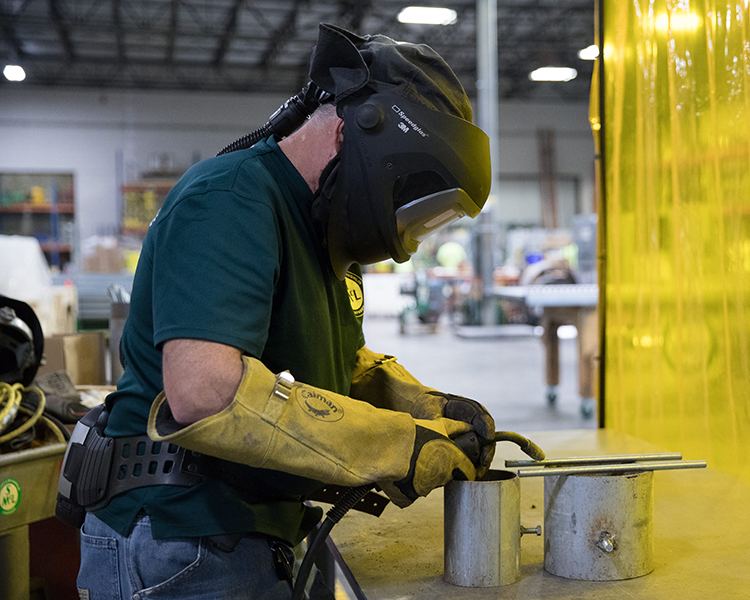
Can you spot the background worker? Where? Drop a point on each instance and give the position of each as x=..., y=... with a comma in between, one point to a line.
x=251, y=269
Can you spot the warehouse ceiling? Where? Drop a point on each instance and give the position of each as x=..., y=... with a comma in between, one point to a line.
x=264, y=45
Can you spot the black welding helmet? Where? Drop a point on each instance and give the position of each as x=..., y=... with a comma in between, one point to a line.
x=21, y=342
x=411, y=160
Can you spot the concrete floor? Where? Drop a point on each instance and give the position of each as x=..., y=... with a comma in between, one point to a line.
x=506, y=374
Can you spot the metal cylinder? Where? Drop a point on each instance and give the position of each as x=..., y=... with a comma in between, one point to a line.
x=482, y=537
x=599, y=527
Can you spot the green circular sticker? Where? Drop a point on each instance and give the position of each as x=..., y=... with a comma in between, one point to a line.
x=10, y=496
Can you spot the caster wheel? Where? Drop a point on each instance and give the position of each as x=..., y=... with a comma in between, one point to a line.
x=588, y=406
x=551, y=395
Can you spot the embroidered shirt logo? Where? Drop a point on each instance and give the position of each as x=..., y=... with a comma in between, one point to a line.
x=356, y=293
x=320, y=407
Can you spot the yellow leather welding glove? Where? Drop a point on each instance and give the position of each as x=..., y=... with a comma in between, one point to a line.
x=379, y=380
x=436, y=461
x=276, y=423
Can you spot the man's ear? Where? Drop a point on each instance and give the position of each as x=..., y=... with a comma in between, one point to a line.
x=339, y=131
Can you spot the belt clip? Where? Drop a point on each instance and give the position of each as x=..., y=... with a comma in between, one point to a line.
x=283, y=560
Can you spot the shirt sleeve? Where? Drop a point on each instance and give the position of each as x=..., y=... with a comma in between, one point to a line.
x=216, y=261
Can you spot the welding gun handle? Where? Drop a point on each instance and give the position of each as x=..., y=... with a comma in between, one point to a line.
x=470, y=445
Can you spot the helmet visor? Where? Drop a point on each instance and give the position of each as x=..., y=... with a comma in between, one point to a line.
x=423, y=216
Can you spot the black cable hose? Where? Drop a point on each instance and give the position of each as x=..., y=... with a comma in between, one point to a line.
x=59, y=424
x=287, y=119
x=246, y=141
x=333, y=516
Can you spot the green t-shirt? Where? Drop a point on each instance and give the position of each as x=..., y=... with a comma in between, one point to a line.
x=233, y=257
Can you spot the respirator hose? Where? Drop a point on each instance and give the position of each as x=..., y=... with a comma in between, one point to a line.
x=285, y=121
x=246, y=141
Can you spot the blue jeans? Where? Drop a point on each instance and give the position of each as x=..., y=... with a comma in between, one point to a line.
x=114, y=567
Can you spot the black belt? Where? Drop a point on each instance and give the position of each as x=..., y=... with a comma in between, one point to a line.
x=96, y=468
x=139, y=462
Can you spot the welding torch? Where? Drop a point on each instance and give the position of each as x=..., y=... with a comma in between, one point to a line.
x=471, y=444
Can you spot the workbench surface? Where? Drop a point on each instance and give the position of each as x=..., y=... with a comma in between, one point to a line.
x=701, y=536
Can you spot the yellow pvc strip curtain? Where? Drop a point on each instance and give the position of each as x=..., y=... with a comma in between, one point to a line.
x=677, y=204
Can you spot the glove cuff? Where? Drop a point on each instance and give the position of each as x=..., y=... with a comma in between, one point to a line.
x=406, y=485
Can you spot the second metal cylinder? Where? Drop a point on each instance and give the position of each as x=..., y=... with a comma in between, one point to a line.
x=482, y=539
x=599, y=527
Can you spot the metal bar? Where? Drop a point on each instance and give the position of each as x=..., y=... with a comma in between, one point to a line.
x=593, y=460
x=345, y=570
x=613, y=469
x=601, y=209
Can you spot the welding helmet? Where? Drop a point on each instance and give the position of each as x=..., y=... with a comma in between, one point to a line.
x=411, y=160
x=21, y=342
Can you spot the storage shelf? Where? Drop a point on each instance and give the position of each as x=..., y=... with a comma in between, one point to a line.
x=40, y=205
x=140, y=204
x=38, y=208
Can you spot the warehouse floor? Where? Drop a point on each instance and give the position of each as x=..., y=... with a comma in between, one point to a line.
x=505, y=373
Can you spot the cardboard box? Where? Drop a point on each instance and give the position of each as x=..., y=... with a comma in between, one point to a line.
x=104, y=260
x=58, y=312
x=82, y=355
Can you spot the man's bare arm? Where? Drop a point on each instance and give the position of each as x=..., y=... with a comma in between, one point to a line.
x=200, y=377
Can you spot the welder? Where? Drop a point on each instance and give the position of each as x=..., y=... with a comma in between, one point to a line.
x=247, y=384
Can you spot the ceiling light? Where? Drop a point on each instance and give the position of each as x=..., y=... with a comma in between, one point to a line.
x=553, y=74
x=14, y=73
x=427, y=15
x=589, y=53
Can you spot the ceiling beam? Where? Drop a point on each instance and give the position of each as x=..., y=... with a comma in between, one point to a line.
x=174, y=10
x=119, y=35
x=281, y=35
x=58, y=20
x=230, y=28
x=9, y=33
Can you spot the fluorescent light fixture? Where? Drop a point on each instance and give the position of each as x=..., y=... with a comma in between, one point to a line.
x=427, y=15
x=589, y=53
x=553, y=74
x=14, y=73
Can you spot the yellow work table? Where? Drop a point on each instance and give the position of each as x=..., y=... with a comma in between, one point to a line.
x=701, y=536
